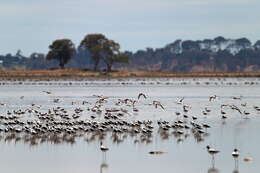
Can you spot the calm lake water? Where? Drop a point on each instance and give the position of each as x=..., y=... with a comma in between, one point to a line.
x=184, y=154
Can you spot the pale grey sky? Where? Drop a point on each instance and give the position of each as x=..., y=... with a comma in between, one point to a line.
x=31, y=25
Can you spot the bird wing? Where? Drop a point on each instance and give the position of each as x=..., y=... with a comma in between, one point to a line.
x=141, y=94
x=161, y=106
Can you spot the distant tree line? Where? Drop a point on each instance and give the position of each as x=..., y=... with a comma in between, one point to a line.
x=216, y=55
x=94, y=49
x=96, y=52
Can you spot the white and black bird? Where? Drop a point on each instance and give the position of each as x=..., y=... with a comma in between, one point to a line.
x=236, y=98
x=56, y=100
x=103, y=147
x=235, y=153
x=246, y=113
x=47, y=92
x=212, y=151
x=157, y=103
x=180, y=101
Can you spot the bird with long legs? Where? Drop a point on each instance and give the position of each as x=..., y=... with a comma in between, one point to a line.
x=212, y=152
x=235, y=154
x=104, y=149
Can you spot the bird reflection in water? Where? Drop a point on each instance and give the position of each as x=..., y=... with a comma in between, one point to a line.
x=213, y=170
x=236, y=166
x=103, y=166
x=235, y=171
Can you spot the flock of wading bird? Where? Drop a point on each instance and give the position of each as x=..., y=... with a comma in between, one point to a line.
x=94, y=121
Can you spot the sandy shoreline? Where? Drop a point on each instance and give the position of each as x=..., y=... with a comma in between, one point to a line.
x=69, y=74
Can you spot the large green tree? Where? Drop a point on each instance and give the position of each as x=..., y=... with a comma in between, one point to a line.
x=62, y=50
x=101, y=48
x=111, y=54
x=93, y=43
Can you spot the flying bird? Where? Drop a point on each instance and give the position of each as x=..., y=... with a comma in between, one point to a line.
x=47, y=92
x=157, y=103
x=180, y=101
x=236, y=108
x=141, y=94
x=212, y=98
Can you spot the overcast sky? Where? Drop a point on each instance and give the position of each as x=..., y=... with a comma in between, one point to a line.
x=31, y=25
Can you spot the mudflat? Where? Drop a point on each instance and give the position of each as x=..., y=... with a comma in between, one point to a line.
x=82, y=74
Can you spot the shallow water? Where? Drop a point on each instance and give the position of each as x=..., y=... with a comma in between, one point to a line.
x=182, y=155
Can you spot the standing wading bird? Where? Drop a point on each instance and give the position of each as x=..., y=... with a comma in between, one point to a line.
x=223, y=112
x=235, y=155
x=246, y=114
x=194, y=117
x=207, y=110
x=103, y=148
x=185, y=108
x=206, y=126
x=257, y=108
x=212, y=152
